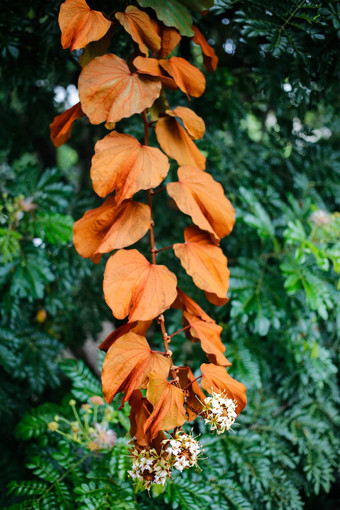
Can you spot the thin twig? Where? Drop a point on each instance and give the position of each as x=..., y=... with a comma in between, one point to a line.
x=192, y=382
x=163, y=249
x=180, y=331
x=153, y=250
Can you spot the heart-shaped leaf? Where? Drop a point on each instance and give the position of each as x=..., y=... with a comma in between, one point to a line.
x=172, y=13
x=204, y=262
x=109, y=91
x=127, y=365
x=197, y=194
x=123, y=165
x=216, y=379
x=177, y=144
x=139, y=25
x=189, y=79
x=133, y=287
x=80, y=25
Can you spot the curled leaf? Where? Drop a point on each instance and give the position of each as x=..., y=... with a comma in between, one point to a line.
x=209, y=334
x=140, y=412
x=167, y=400
x=186, y=304
x=110, y=227
x=177, y=144
x=210, y=58
x=170, y=38
x=138, y=327
x=188, y=78
x=216, y=379
x=151, y=67
x=215, y=300
x=194, y=396
x=80, y=25
x=204, y=262
x=197, y=194
x=192, y=122
x=139, y=25
x=133, y=287
x=109, y=92
x=127, y=365
x=123, y=165
x=61, y=127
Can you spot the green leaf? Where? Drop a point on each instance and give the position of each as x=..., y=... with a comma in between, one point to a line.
x=172, y=13
x=9, y=244
x=198, y=5
x=84, y=383
x=32, y=274
x=55, y=228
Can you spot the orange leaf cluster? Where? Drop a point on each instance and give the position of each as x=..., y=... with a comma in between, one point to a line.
x=137, y=289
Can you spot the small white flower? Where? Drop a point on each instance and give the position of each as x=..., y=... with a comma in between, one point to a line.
x=219, y=412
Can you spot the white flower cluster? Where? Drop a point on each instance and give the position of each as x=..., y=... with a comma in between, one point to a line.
x=178, y=452
x=219, y=411
x=183, y=450
x=149, y=467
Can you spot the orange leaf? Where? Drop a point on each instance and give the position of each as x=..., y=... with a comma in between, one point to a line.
x=133, y=287
x=192, y=122
x=110, y=227
x=185, y=303
x=188, y=78
x=123, y=165
x=177, y=144
x=127, y=365
x=140, y=412
x=194, y=394
x=215, y=300
x=210, y=58
x=109, y=92
x=80, y=25
x=170, y=39
x=167, y=400
x=209, y=334
x=138, y=327
x=139, y=25
x=197, y=194
x=151, y=67
x=203, y=261
x=218, y=380
x=61, y=127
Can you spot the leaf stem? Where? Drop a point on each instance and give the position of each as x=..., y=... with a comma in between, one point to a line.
x=153, y=250
x=192, y=382
x=180, y=331
x=158, y=190
x=165, y=248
